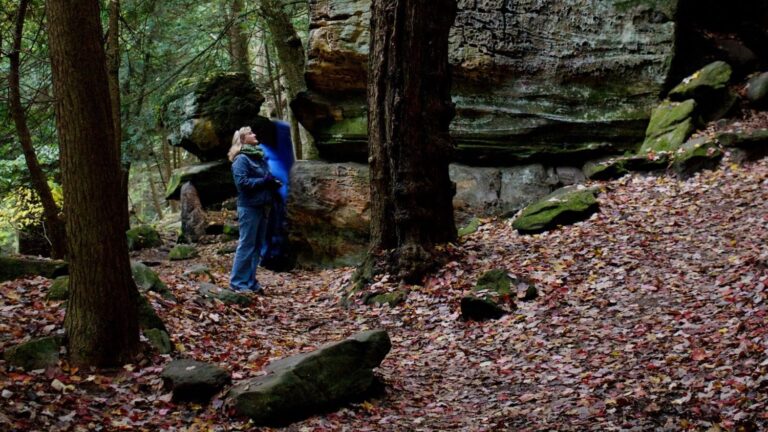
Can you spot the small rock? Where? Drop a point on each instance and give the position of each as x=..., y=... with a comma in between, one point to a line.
x=160, y=340
x=225, y=295
x=143, y=237
x=182, y=252
x=479, y=309
x=35, y=354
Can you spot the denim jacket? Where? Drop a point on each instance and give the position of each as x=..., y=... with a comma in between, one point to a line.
x=249, y=174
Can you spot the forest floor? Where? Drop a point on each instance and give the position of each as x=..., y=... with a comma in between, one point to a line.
x=651, y=315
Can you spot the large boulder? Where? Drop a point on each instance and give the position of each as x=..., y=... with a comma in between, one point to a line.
x=708, y=86
x=563, y=206
x=531, y=79
x=304, y=384
x=147, y=280
x=202, y=115
x=213, y=181
x=193, y=223
x=14, y=267
x=142, y=237
x=696, y=155
x=757, y=89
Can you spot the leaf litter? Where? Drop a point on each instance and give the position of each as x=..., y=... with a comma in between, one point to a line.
x=651, y=315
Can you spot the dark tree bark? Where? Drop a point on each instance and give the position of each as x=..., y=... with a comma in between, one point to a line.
x=53, y=224
x=101, y=320
x=409, y=111
x=290, y=53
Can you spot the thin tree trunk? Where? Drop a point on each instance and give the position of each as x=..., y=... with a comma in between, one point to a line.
x=409, y=84
x=238, y=37
x=101, y=320
x=273, y=83
x=290, y=53
x=153, y=190
x=53, y=224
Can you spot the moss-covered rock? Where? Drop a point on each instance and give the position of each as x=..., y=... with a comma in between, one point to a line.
x=563, y=206
x=148, y=318
x=160, y=340
x=14, y=267
x=714, y=76
x=304, y=384
x=668, y=141
x=200, y=271
x=753, y=144
x=605, y=169
x=203, y=113
x=35, y=354
x=696, y=155
x=59, y=289
x=668, y=115
x=470, y=228
x=757, y=89
x=480, y=309
x=182, y=252
x=225, y=295
x=392, y=299
x=147, y=280
x=496, y=281
x=142, y=237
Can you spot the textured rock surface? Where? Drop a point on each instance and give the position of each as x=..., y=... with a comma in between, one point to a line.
x=329, y=203
x=531, y=78
x=203, y=115
x=194, y=381
x=563, y=206
x=671, y=124
x=12, y=267
x=143, y=237
x=298, y=386
x=213, y=181
x=34, y=354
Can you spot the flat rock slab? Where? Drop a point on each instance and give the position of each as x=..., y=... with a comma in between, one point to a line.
x=14, y=267
x=34, y=354
x=563, y=206
x=194, y=381
x=301, y=385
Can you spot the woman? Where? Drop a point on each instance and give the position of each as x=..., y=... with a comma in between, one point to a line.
x=255, y=186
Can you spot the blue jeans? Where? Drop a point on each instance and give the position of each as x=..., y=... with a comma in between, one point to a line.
x=253, y=229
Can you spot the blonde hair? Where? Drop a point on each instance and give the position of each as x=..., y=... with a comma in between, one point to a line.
x=237, y=142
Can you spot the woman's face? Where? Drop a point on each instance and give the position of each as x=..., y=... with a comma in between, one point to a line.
x=250, y=138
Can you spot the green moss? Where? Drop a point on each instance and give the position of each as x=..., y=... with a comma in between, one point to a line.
x=355, y=126
x=605, y=169
x=496, y=281
x=668, y=115
x=34, y=354
x=160, y=340
x=564, y=206
x=669, y=141
x=696, y=155
x=148, y=280
x=13, y=267
x=148, y=318
x=714, y=76
x=182, y=252
x=470, y=228
x=59, y=289
x=143, y=237
x=392, y=299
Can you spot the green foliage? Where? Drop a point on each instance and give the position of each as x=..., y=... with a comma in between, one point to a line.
x=22, y=208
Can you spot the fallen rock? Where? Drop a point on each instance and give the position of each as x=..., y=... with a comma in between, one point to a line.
x=194, y=381
x=671, y=124
x=200, y=271
x=35, y=354
x=389, y=298
x=752, y=143
x=14, y=267
x=299, y=386
x=757, y=89
x=708, y=86
x=148, y=280
x=696, y=155
x=182, y=252
x=564, y=206
x=225, y=295
x=479, y=309
x=470, y=228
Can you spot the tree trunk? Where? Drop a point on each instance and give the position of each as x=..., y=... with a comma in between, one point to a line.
x=113, y=76
x=153, y=191
x=238, y=38
x=409, y=111
x=274, y=84
x=101, y=320
x=290, y=53
x=53, y=224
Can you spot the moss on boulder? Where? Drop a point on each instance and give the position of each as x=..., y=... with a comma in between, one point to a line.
x=14, y=267
x=696, y=155
x=143, y=237
x=182, y=252
x=670, y=125
x=159, y=339
x=213, y=181
x=390, y=298
x=224, y=295
x=714, y=76
x=148, y=318
x=668, y=141
x=148, y=280
x=35, y=354
x=470, y=227
x=757, y=89
x=563, y=206
x=59, y=289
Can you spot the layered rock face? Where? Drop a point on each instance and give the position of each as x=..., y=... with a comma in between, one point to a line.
x=533, y=79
